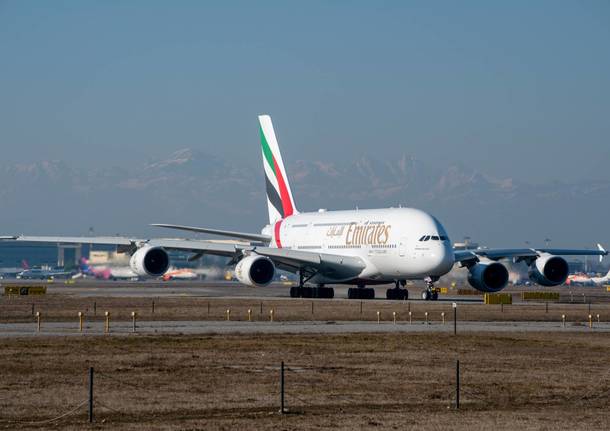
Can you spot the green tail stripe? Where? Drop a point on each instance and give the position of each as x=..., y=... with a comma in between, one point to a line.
x=267, y=152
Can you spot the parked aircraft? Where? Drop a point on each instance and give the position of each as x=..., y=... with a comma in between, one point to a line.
x=106, y=272
x=181, y=274
x=585, y=280
x=13, y=271
x=356, y=247
x=114, y=272
x=42, y=274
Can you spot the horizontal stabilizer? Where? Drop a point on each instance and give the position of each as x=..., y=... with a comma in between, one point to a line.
x=232, y=234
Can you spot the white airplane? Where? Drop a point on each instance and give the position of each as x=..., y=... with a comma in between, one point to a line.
x=105, y=272
x=355, y=247
x=585, y=280
x=181, y=274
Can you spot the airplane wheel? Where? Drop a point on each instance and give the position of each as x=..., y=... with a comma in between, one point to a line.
x=360, y=293
x=397, y=294
x=319, y=292
x=425, y=295
x=435, y=296
x=307, y=292
x=356, y=293
x=326, y=292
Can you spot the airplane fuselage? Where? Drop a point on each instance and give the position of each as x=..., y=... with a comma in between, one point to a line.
x=395, y=243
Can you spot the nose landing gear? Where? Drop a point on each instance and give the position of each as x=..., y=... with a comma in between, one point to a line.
x=431, y=292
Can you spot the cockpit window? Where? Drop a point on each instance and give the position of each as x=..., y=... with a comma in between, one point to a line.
x=434, y=238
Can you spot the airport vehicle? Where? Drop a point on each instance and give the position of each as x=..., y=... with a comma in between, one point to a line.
x=355, y=247
x=585, y=280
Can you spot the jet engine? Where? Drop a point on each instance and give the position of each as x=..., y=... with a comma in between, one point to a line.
x=548, y=270
x=488, y=276
x=149, y=261
x=255, y=271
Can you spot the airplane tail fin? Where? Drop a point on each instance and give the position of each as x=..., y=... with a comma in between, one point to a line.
x=279, y=196
x=84, y=264
x=600, y=248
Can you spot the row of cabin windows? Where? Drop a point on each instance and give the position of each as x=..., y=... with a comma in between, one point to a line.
x=305, y=247
x=434, y=238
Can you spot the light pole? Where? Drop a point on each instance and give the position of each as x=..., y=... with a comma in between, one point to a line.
x=454, y=305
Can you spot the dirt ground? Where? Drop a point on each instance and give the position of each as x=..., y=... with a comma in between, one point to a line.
x=358, y=381
x=353, y=381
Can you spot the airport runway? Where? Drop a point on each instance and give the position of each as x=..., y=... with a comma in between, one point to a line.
x=168, y=289
x=293, y=327
x=215, y=289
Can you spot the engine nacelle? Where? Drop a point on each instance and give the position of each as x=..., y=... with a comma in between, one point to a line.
x=488, y=276
x=548, y=270
x=149, y=261
x=255, y=270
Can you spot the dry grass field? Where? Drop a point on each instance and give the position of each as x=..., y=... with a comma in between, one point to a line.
x=510, y=380
x=358, y=381
x=66, y=308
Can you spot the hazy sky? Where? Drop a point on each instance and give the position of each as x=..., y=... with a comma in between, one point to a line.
x=510, y=88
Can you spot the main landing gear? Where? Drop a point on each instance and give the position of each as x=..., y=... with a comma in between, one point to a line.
x=312, y=292
x=361, y=292
x=319, y=291
x=397, y=293
x=430, y=293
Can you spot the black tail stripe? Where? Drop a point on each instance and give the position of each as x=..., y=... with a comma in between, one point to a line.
x=273, y=197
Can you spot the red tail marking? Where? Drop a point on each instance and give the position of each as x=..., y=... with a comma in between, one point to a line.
x=284, y=195
x=276, y=231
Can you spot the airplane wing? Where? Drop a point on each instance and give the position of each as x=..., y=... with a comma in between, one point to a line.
x=339, y=267
x=123, y=244
x=109, y=240
x=229, y=233
x=466, y=257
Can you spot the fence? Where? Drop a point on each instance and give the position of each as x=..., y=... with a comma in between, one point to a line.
x=544, y=296
x=100, y=386
x=288, y=389
x=498, y=298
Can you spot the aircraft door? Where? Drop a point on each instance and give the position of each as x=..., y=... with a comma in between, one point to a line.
x=402, y=247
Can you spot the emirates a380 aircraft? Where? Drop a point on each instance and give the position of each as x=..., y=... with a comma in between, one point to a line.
x=356, y=247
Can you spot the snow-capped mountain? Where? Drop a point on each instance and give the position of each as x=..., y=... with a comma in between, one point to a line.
x=194, y=187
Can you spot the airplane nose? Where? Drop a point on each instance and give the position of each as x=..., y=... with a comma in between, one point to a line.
x=448, y=257
x=443, y=260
